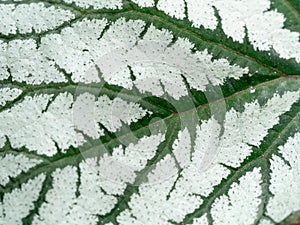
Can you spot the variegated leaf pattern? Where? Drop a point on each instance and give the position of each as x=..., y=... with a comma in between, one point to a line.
x=149, y=112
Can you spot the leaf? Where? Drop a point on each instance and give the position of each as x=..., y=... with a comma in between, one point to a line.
x=149, y=112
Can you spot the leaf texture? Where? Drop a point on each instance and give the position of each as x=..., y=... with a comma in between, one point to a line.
x=149, y=112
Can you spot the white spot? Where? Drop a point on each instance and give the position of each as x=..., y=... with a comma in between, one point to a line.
x=285, y=177
x=155, y=78
x=17, y=204
x=202, y=174
x=25, y=124
x=108, y=112
x=266, y=31
x=89, y=111
x=163, y=36
x=252, y=90
x=236, y=14
x=174, y=8
x=200, y=221
x=26, y=18
x=12, y=165
x=77, y=48
x=8, y=94
x=84, y=116
x=4, y=73
x=202, y=13
x=97, y=4
x=119, y=169
x=241, y=204
x=144, y=3
x=265, y=222
x=120, y=38
x=27, y=63
x=182, y=148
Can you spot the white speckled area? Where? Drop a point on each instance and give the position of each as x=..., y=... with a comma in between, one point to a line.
x=149, y=112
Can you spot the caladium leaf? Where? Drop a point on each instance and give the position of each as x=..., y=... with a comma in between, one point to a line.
x=149, y=112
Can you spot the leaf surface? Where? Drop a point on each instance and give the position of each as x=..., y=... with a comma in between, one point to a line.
x=149, y=112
